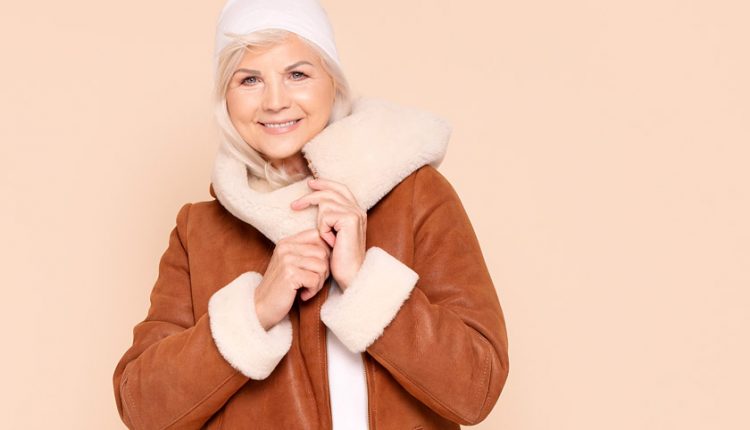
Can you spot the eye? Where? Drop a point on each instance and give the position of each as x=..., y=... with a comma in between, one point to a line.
x=246, y=79
x=298, y=73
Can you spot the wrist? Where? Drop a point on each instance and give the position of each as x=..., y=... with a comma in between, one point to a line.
x=344, y=283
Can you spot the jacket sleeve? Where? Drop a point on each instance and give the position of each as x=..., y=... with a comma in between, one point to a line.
x=181, y=370
x=438, y=326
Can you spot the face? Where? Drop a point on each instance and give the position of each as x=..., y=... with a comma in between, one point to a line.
x=271, y=88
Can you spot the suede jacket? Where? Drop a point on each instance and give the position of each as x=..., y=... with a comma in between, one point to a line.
x=422, y=310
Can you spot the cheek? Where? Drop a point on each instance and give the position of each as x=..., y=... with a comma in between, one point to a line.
x=241, y=109
x=317, y=99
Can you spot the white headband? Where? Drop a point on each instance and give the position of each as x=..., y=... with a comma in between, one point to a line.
x=303, y=17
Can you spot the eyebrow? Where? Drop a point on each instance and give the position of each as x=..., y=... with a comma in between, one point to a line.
x=288, y=68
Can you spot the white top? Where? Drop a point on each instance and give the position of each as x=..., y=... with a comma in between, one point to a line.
x=347, y=384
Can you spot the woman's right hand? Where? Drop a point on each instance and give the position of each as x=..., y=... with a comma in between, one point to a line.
x=299, y=261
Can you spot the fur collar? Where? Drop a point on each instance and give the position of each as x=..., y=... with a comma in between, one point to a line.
x=370, y=151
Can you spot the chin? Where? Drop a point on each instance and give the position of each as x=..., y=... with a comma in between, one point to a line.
x=279, y=151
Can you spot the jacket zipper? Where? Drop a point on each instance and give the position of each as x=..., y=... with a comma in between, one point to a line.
x=370, y=424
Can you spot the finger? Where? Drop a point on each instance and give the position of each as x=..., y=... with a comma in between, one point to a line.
x=316, y=197
x=337, y=207
x=329, y=238
x=310, y=284
x=311, y=236
x=317, y=250
x=332, y=221
x=323, y=183
x=312, y=264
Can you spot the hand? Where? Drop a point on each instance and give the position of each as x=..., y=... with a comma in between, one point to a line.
x=339, y=211
x=299, y=262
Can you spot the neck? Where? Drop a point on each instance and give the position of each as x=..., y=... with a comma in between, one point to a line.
x=293, y=165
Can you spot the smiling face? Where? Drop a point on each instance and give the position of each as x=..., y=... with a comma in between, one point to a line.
x=280, y=98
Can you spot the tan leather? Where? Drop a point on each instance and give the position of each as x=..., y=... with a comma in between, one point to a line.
x=441, y=362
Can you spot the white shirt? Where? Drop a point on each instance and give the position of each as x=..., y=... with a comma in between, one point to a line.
x=347, y=384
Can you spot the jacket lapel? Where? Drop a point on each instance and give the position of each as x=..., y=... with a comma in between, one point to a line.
x=370, y=151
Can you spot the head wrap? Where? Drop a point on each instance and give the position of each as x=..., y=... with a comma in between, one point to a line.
x=306, y=18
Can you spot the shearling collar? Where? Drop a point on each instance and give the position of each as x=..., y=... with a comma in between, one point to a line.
x=370, y=151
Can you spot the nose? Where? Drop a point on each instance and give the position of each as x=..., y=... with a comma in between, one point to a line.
x=275, y=96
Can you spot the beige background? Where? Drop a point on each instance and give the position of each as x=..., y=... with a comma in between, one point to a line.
x=600, y=148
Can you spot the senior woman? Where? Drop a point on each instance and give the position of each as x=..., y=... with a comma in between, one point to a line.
x=397, y=324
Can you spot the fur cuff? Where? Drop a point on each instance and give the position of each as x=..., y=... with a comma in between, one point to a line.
x=359, y=315
x=238, y=334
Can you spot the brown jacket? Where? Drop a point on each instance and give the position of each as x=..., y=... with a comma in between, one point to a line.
x=422, y=311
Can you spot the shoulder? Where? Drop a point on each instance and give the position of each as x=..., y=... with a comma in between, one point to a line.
x=424, y=181
x=204, y=217
x=430, y=186
x=428, y=176
x=435, y=202
x=424, y=187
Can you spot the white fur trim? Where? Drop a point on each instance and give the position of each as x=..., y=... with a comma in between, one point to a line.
x=268, y=212
x=238, y=334
x=359, y=315
x=370, y=151
x=377, y=146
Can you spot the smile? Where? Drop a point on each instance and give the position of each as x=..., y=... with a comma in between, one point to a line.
x=280, y=127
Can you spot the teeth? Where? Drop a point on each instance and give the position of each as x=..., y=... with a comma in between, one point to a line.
x=278, y=125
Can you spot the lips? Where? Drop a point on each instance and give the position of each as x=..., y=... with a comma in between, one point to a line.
x=287, y=127
x=279, y=122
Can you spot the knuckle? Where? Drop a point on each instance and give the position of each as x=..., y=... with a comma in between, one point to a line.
x=287, y=259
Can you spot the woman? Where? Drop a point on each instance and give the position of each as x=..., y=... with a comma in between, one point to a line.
x=397, y=324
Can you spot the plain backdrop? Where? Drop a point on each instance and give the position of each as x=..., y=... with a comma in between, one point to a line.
x=601, y=149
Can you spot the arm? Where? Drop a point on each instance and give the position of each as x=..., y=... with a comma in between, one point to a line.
x=437, y=327
x=180, y=371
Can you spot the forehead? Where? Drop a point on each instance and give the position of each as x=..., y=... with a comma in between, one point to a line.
x=290, y=50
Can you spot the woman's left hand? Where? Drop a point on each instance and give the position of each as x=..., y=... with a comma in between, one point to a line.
x=338, y=210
